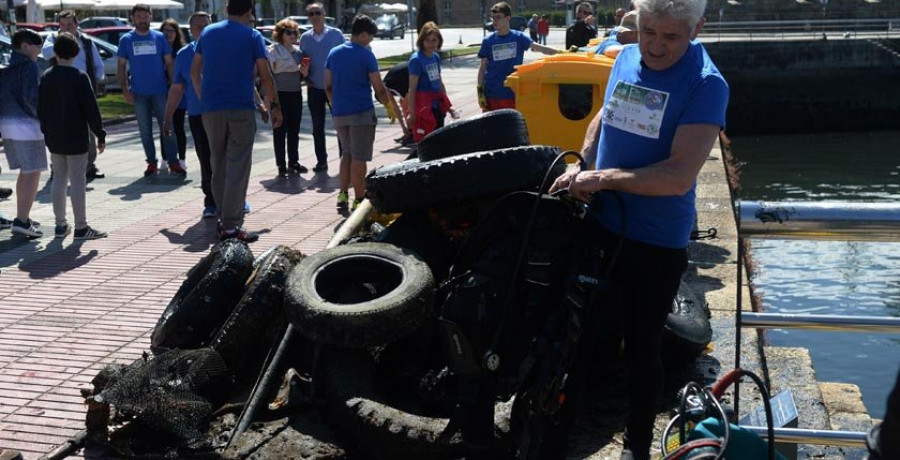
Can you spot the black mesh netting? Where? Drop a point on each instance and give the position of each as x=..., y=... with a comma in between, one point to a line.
x=169, y=392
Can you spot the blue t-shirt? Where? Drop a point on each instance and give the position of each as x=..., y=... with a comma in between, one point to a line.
x=147, y=69
x=183, y=62
x=428, y=69
x=642, y=109
x=318, y=52
x=230, y=51
x=602, y=46
x=350, y=65
x=503, y=54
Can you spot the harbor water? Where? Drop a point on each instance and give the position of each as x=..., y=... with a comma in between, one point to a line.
x=844, y=278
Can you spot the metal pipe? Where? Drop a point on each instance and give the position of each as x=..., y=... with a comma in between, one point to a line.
x=827, y=220
x=822, y=322
x=813, y=437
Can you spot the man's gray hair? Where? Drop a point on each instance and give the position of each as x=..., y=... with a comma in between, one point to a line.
x=584, y=6
x=688, y=10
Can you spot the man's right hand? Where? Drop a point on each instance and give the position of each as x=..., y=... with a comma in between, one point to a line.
x=128, y=96
x=167, y=127
x=101, y=146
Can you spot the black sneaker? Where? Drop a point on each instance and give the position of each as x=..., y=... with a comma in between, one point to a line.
x=62, y=230
x=298, y=168
x=88, y=233
x=282, y=171
x=320, y=167
x=94, y=173
x=28, y=229
x=4, y=222
x=238, y=233
x=5, y=193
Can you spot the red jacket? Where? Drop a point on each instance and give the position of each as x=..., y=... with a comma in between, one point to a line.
x=425, y=121
x=543, y=27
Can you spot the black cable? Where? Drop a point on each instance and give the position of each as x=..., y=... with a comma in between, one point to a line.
x=770, y=422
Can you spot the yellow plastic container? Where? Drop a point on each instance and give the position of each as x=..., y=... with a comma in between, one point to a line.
x=559, y=96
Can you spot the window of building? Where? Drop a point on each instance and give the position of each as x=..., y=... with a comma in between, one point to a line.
x=448, y=11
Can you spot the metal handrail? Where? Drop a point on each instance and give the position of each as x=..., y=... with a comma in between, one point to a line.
x=843, y=323
x=804, y=436
x=814, y=221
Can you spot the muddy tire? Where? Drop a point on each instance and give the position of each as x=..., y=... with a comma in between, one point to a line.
x=205, y=299
x=360, y=295
x=687, y=330
x=360, y=413
x=498, y=129
x=258, y=318
x=414, y=184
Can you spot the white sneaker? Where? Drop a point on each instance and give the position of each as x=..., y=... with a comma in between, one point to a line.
x=163, y=167
x=183, y=164
x=454, y=114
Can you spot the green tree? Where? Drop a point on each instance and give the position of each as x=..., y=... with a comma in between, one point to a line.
x=427, y=12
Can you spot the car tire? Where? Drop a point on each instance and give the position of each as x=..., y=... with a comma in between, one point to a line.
x=357, y=409
x=413, y=184
x=253, y=325
x=498, y=129
x=205, y=299
x=359, y=295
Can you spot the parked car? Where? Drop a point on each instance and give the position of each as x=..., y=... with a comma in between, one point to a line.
x=390, y=26
x=109, y=34
x=102, y=21
x=515, y=23
x=108, y=53
x=38, y=26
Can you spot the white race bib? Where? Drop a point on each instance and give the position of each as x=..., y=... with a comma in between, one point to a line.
x=636, y=109
x=144, y=48
x=504, y=51
x=434, y=72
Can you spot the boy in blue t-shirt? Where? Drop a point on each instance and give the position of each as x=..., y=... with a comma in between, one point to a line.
x=351, y=72
x=500, y=53
x=148, y=56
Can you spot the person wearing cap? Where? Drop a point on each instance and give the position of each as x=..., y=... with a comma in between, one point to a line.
x=626, y=34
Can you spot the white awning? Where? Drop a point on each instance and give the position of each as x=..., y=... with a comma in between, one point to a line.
x=127, y=4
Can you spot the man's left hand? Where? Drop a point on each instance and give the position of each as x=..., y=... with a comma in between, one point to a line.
x=263, y=113
x=579, y=184
x=276, y=117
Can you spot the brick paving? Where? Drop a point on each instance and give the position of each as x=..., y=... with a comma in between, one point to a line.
x=69, y=308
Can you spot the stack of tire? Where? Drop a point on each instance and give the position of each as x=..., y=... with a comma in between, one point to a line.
x=371, y=305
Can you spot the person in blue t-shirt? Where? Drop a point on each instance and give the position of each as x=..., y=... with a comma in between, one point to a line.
x=500, y=53
x=183, y=90
x=317, y=43
x=426, y=96
x=148, y=57
x=222, y=74
x=626, y=34
x=663, y=110
x=351, y=72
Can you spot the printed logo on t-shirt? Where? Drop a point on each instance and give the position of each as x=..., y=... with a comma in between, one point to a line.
x=504, y=51
x=636, y=109
x=434, y=72
x=144, y=48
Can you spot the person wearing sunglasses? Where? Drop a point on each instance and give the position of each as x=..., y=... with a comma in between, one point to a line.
x=315, y=44
x=289, y=71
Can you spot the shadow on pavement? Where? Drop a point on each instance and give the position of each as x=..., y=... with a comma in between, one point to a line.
x=197, y=238
x=61, y=260
x=155, y=184
x=292, y=185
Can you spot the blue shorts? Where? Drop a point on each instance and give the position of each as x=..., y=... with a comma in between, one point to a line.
x=29, y=156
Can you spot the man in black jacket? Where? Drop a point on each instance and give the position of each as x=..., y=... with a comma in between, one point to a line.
x=584, y=29
x=66, y=107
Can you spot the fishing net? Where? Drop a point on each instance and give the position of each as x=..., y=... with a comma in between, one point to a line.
x=169, y=393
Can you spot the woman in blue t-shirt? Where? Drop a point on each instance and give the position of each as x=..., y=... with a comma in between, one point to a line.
x=175, y=37
x=427, y=97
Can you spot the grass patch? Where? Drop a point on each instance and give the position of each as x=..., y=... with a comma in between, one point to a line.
x=113, y=105
x=390, y=61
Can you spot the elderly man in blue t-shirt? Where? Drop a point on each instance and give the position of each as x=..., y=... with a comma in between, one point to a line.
x=148, y=56
x=663, y=109
x=222, y=73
